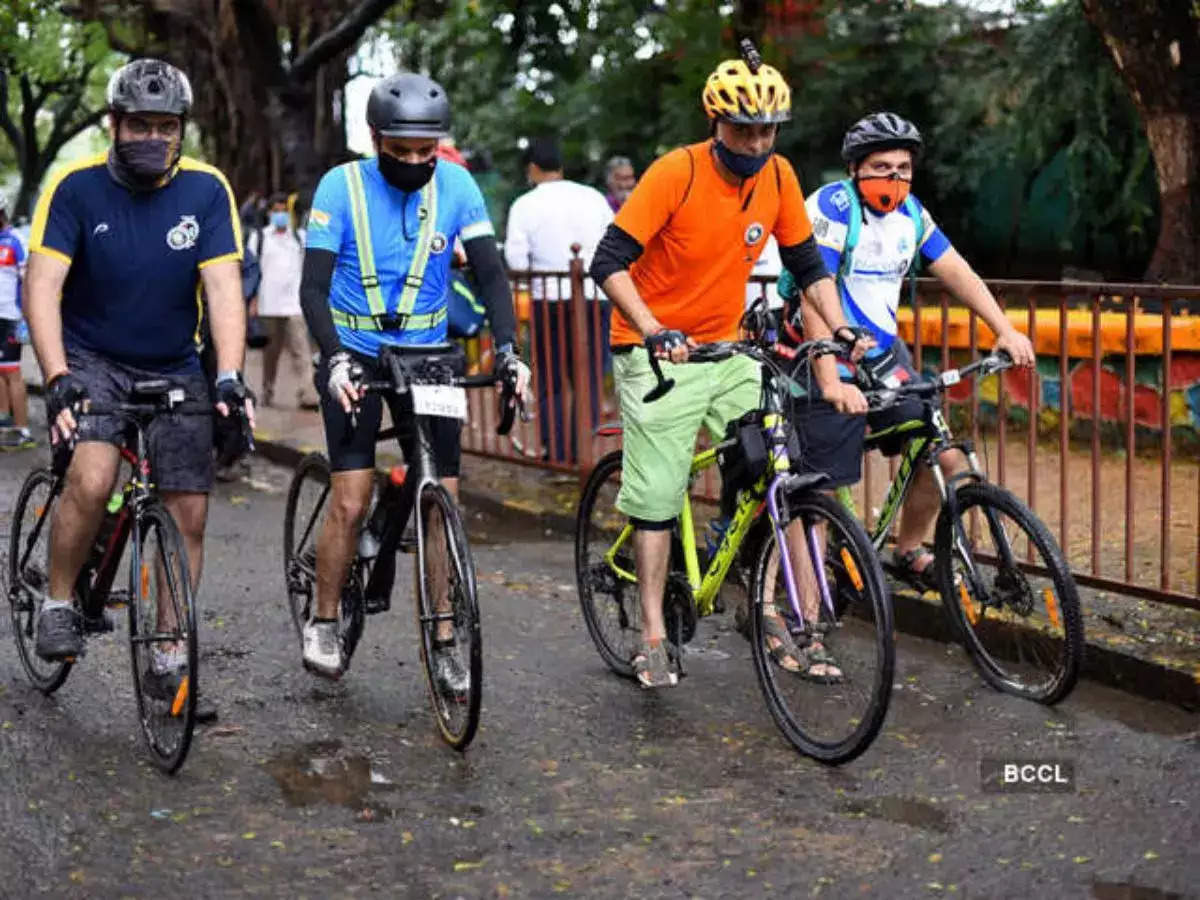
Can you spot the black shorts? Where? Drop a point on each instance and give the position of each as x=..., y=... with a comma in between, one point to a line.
x=181, y=446
x=10, y=347
x=833, y=443
x=350, y=449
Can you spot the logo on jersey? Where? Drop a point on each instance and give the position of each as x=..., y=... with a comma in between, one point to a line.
x=8, y=256
x=183, y=236
x=318, y=217
x=820, y=226
x=100, y=229
x=438, y=244
x=841, y=200
x=754, y=234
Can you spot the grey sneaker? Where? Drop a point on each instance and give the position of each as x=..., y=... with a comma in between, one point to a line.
x=653, y=668
x=322, y=649
x=452, y=679
x=59, y=633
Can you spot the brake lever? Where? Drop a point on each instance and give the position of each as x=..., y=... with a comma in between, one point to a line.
x=508, y=407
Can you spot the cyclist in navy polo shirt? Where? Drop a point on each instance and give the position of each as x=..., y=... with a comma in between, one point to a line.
x=381, y=234
x=127, y=239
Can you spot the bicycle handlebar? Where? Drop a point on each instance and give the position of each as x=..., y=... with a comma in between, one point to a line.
x=718, y=351
x=882, y=397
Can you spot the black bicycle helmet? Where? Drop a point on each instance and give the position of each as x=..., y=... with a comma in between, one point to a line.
x=409, y=105
x=880, y=131
x=149, y=86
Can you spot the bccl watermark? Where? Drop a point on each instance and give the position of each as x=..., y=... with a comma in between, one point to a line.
x=1027, y=776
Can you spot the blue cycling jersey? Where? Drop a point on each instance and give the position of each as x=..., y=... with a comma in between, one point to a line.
x=395, y=222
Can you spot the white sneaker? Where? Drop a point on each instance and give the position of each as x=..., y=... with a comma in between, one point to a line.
x=322, y=649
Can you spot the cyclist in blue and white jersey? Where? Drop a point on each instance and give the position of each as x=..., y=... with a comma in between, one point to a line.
x=869, y=229
x=380, y=242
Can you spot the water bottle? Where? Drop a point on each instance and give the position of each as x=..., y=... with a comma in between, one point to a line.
x=371, y=537
x=108, y=525
x=716, y=534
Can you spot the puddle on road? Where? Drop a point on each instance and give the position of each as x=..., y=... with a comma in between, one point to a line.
x=1124, y=890
x=902, y=810
x=322, y=773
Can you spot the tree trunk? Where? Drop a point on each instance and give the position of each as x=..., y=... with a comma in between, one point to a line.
x=1155, y=45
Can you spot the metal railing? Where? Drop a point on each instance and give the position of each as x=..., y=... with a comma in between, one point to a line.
x=1086, y=468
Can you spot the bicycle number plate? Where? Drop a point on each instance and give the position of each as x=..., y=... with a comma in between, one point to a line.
x=439, y=400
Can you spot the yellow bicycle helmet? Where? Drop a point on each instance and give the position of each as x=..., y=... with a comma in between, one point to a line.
x=736, y=93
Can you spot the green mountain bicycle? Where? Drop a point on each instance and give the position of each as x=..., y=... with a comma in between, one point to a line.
x=846, y=603
x=1002, y=578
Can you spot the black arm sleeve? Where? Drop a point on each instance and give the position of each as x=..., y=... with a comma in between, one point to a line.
x=314, y=299
x=484, y=258
x=616, y=252
x=804, y=261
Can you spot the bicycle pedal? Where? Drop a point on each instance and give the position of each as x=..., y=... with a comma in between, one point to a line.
x=373, y=605
x=101, y=624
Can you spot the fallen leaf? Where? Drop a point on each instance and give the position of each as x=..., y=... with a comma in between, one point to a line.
x=463, y=865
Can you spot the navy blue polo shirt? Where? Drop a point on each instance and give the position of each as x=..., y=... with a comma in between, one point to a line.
x=132, y=292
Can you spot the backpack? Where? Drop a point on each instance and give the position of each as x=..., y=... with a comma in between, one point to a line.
x=854, y=227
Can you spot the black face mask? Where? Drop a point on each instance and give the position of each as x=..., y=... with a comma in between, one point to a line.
x=407, y=177
x=141, y=165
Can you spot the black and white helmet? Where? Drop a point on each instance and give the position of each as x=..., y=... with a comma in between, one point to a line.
x=149, y=86
x=880, y=131
x=409, y=105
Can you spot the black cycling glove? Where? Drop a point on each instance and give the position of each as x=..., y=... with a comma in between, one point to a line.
x=64, y=391
x=661, y=343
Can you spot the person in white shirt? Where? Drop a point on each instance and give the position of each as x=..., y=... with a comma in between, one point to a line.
x=543, y=224
x=768, y=265
x=280, y=251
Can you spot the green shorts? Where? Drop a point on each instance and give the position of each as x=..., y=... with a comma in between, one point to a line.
x=660, y=437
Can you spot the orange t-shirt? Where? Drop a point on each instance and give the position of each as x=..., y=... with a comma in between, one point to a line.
x=701, y=236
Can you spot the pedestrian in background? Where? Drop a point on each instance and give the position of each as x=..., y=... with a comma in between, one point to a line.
x=620, y=180
x=14, y=406
x=543, y=224
x=280, y=251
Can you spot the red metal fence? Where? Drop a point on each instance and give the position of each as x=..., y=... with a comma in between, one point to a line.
x=1108, y=461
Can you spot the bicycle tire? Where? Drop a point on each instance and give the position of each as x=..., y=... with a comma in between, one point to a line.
x=456, y=712
x=25, y=598
x=595, y=579
x=300, y=529
x=866, y=634
x=166, y=712
x=992, y=639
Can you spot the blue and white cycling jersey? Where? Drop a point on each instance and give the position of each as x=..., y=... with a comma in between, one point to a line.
x=395, y=224
x=870, y=292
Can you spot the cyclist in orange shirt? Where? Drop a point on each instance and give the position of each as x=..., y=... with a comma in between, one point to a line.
x=675, y=263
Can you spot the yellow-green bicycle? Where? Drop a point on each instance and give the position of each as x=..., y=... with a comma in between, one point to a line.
x=842, y=601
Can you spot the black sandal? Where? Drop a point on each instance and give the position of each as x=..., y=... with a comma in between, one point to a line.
x=923, y=580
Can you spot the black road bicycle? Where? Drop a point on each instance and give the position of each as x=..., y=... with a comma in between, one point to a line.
x=162, y=610
x=444, y=573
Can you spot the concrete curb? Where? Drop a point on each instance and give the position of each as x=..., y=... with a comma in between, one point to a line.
x=915, y=615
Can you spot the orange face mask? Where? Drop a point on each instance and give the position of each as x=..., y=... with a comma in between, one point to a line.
x=883, y=193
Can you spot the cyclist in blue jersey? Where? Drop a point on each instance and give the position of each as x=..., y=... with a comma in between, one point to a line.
x=120, y=246
x=380, y=242
x=869, y=229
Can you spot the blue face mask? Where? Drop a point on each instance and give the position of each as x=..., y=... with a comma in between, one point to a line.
x=279, y=219
x=740, y=164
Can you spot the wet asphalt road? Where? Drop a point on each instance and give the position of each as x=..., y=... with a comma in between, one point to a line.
x=578, y=782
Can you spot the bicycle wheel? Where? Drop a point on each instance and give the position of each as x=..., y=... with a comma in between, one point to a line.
x=1008, y=590
x=29, y=576
x=304, y=514
x=448, y=616
x=610, y=603
x=836, y=722
x=162, y=638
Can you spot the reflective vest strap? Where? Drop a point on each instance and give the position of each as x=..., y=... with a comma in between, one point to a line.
x=416, y=271
x=388, y=323
x=362, y=239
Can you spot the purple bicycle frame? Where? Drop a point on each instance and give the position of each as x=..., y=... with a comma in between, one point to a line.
x=810, y=532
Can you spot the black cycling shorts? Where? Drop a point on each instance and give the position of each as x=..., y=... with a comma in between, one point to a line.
x=354, y=448
x=10, y=347
x=833, y=443
x=181, y=446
